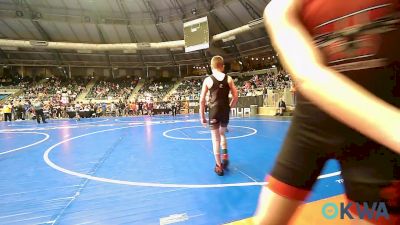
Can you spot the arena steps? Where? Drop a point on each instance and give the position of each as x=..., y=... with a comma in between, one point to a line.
x=173, y=89
x=89, y=86
x=136, y=90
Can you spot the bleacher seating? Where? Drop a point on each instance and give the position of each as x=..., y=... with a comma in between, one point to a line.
x=188, y=90
x=154, y=90
x=112, y=89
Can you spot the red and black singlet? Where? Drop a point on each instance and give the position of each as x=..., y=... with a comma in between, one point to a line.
x=355, y=35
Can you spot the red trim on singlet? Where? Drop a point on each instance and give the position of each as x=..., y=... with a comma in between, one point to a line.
x=285, y=190
x=314, y=13
x=393, y=219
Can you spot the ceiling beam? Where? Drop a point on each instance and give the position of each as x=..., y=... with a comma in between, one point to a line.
x=203, y=54
x=5, y=57
x=88, y=64
x=202, y=59
x=132, y=36
x=59, y=14
x=178, y=7
x=206, y=60
x=250, y=9
x=39, y=28
x=43, y=62
x=211, y=8
x=103, y=40
x=224, y=28
x=156, y=20
x=91, y=54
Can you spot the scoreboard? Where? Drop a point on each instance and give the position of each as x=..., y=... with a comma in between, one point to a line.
x=197, y=35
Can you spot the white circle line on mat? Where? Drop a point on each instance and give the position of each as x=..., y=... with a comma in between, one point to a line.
x=57, y=124
x=165, y=134
x=100, y=121
x=26, y=146
x=145, y=184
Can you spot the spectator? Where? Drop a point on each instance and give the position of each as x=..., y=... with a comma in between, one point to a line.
x=281, y=107
x=38, y=108
x=7, y=111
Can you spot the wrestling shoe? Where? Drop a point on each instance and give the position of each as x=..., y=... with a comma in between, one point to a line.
x=225, y=163
x=219, y=170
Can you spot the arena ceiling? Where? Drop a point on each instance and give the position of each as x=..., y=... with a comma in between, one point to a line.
x=125, y=21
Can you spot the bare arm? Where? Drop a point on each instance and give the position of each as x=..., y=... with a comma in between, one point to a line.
x=233, y=91
x=204, y=91
x=331, y=91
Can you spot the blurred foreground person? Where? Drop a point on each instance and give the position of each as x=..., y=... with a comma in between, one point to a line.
x=344, y=58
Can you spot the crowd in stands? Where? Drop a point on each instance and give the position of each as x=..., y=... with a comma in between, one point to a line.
x=263, y=82
x=188, y=90
x=19, y=85
x=55, y=90
x=154, y=90
x=58, y=95
x=112, y=90
x=25, y=109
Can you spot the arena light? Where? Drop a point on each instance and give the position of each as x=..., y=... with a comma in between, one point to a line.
x=129, y=51
x=38, y=43
x=84, y=51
